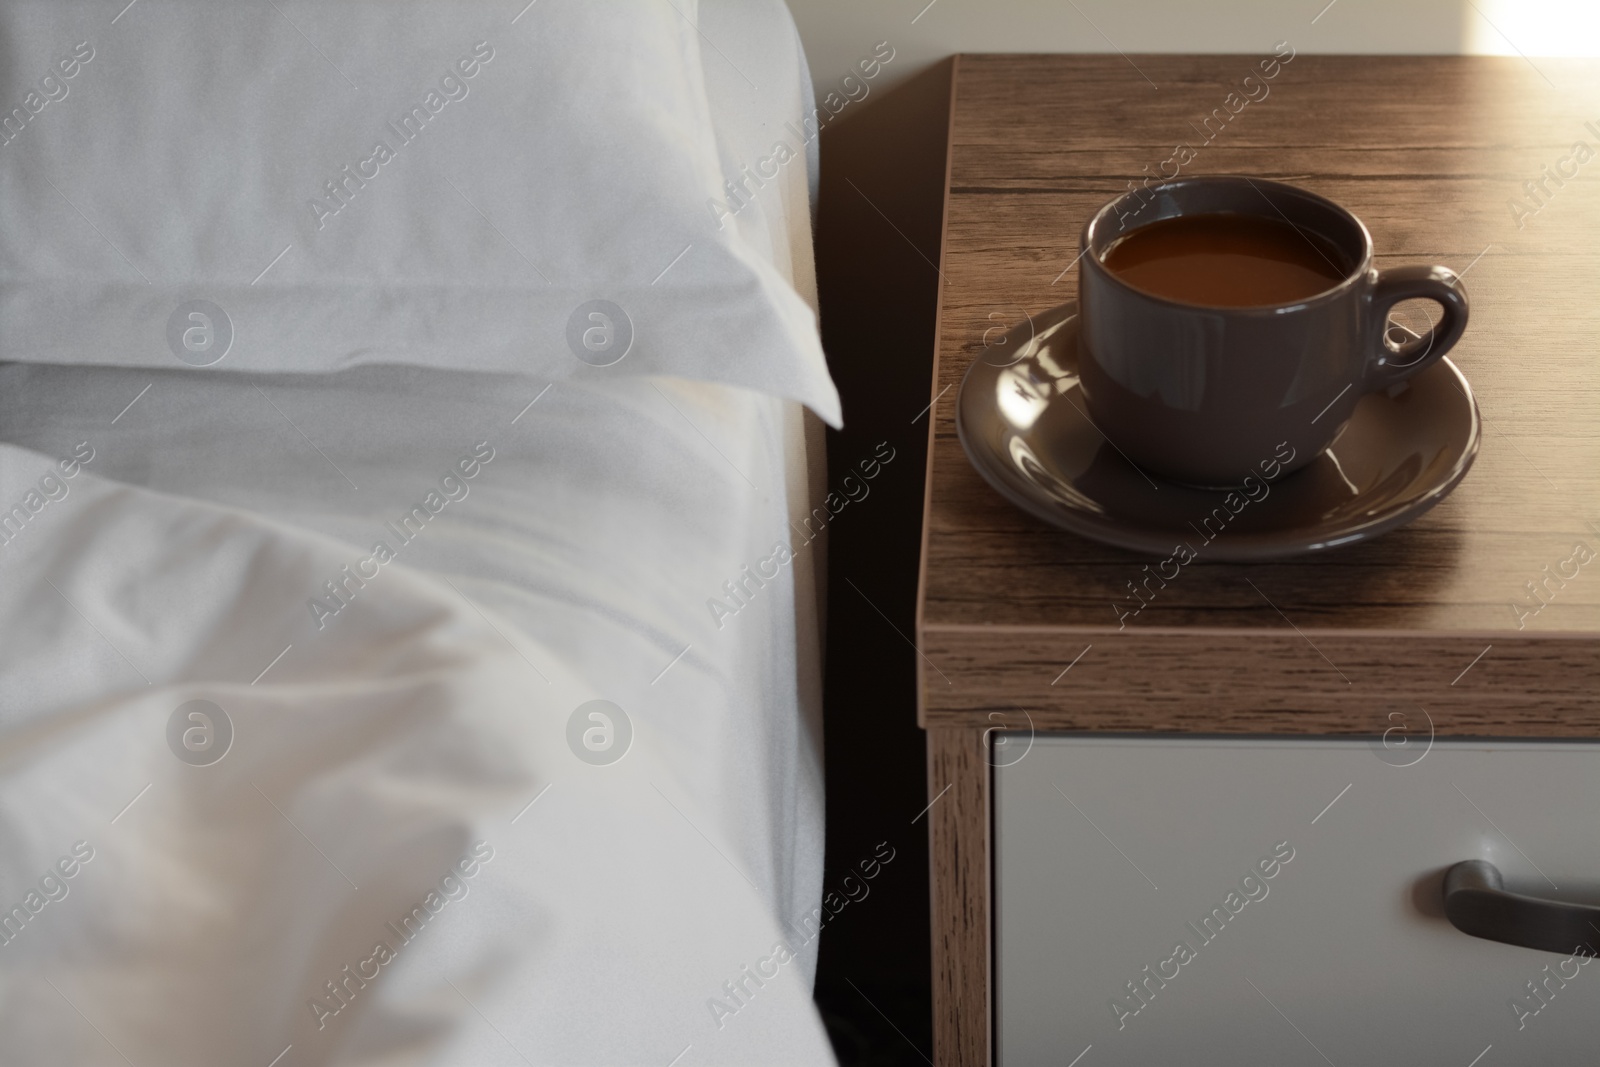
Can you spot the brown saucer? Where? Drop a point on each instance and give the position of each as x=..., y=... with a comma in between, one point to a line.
x=1021, y=417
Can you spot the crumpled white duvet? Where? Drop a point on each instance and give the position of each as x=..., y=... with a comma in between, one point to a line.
x=398, y=858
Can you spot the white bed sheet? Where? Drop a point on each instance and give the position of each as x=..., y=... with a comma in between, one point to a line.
x=592, y=540
x=624, y=906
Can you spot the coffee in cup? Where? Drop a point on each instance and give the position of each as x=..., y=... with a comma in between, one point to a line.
x=1222, y=317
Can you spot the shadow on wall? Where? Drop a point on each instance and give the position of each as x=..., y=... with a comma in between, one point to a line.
x=878, y=237
x=836, y=31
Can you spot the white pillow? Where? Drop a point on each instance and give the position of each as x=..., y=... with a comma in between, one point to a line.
x=299, y=186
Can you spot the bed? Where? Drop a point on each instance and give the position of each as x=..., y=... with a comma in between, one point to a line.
x=396, y=712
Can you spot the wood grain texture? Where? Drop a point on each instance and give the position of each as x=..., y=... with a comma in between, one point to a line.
x=1427, y=629
x=1429, y=152
x=1265, y=682
x=958, y=837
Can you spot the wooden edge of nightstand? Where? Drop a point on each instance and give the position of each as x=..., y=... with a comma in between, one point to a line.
x=933, y=381
x=958, y=813
x=1264, y=681
x=960, y=892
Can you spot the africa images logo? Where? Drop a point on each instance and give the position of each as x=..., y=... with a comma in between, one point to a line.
x=199, y=332
x=599, y=333
x=454, y=86
x=599, y=732
x=199, y=732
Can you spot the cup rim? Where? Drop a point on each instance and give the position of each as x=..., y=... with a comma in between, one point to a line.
x=1341, y=289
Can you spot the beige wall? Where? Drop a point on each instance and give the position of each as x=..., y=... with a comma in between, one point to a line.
x=839, y=33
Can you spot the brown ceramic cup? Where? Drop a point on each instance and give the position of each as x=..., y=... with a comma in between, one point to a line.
x=1208, y=395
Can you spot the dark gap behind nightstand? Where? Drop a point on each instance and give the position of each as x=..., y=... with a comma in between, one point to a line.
x=883, y=171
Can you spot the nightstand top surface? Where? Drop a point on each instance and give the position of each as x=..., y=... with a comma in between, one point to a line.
x=1430, y=152
x=1022, y=626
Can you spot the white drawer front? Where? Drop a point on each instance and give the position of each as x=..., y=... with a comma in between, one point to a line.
x=1110, y=854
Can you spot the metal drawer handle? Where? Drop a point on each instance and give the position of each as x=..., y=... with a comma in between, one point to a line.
x=1477, y=903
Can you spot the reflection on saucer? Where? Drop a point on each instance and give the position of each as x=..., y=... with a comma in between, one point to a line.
x=1024, y=427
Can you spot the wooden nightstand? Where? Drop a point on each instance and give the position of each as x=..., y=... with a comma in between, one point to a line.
x=1444, y=159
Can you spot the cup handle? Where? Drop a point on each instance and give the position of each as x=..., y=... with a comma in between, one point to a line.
x=1391, y=364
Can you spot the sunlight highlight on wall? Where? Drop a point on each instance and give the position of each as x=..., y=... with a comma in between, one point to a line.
x=1532, y=27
